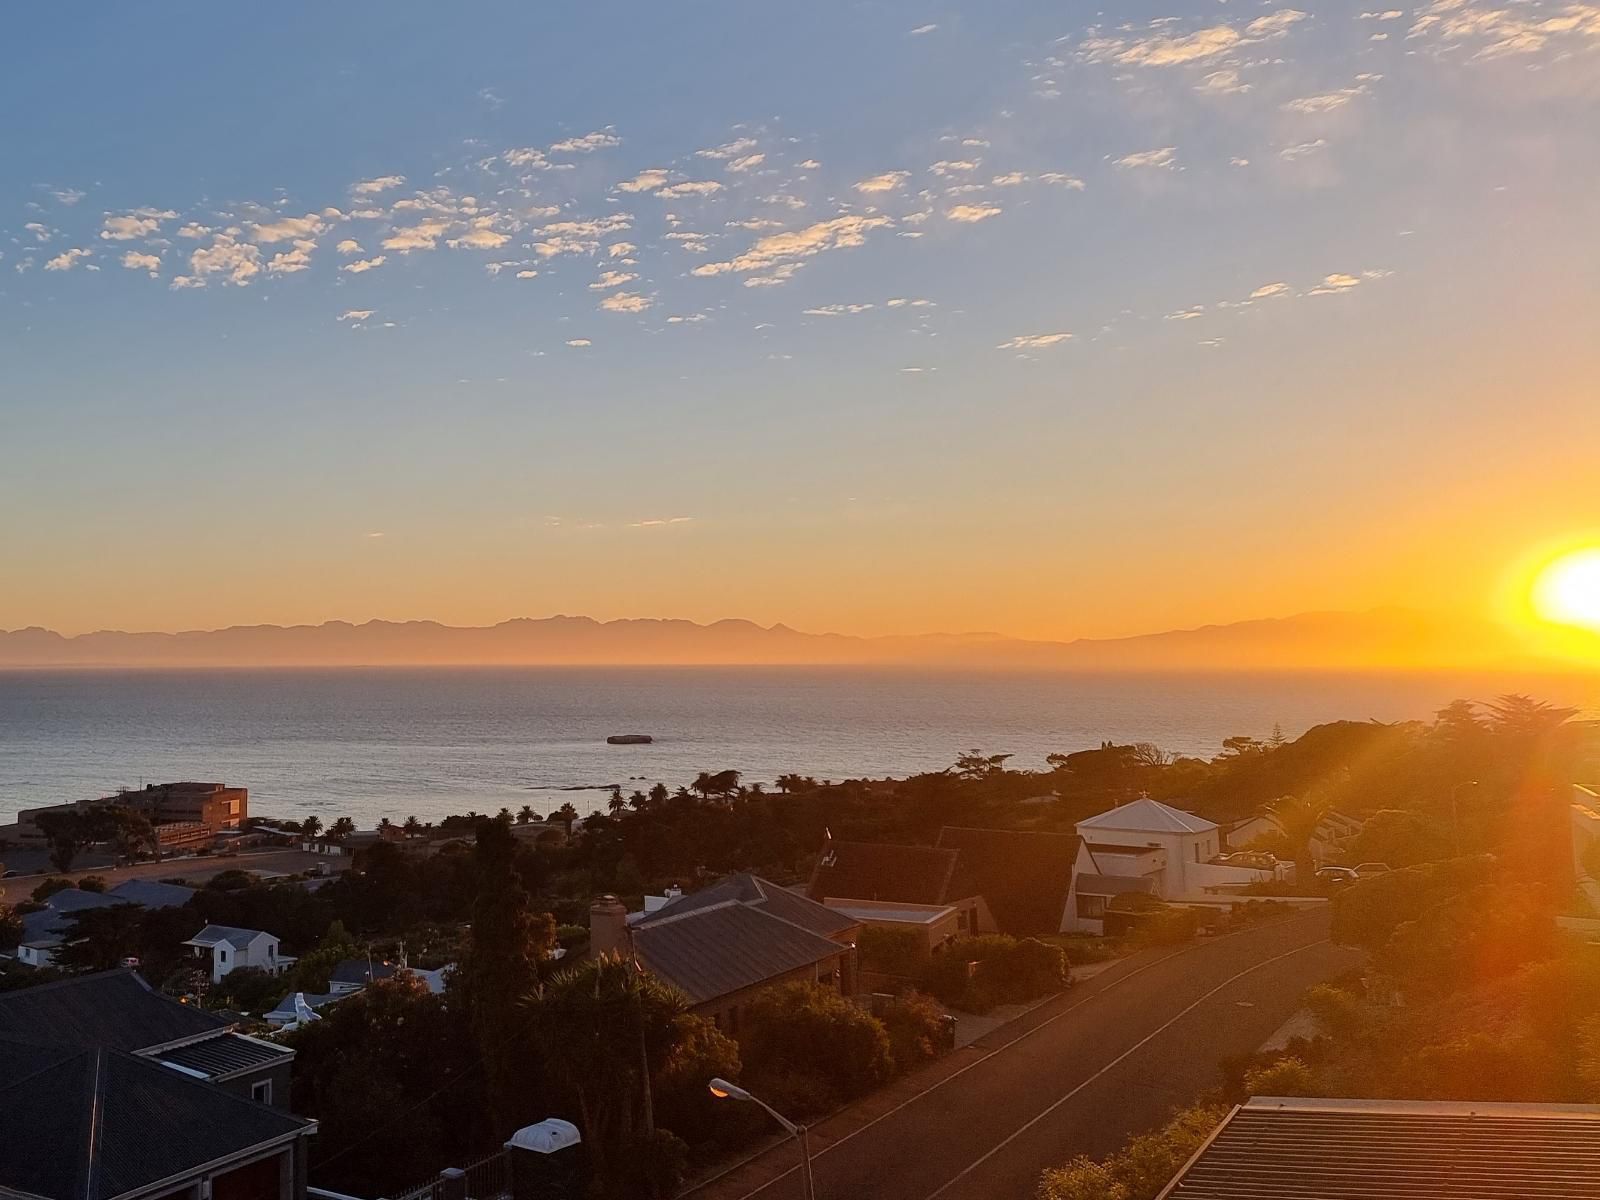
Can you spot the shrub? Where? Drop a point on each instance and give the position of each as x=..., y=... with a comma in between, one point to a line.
x=247, y=989
x=231, y=880
x=92, y=883
x=1008, y=972
x=1286, y=1077
x=1336, y=1010
x=50, y=887
x=1140, y=1169
x=803, y=1028
x=892, y=951
x=915, y=1024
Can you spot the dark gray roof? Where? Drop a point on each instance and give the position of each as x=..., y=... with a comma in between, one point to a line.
x=101, y=1123
x=359, y=970
x=76, y=899
x=710, y=952
x=216, y=935
x=226, y=1054
x=1283, y=1149
x=152, y=893
x=763, y=894
x=1115, y=885
x=113, y=1008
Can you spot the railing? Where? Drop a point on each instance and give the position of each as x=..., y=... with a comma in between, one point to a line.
x=487, y=1179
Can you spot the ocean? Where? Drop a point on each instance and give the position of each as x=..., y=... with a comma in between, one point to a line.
x=395, y=742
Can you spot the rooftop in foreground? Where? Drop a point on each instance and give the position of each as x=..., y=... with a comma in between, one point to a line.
x=1277, y=1148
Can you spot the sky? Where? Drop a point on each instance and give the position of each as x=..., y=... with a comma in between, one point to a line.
x=881, y=317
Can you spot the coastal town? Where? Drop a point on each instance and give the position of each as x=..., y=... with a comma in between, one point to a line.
x=951, y=985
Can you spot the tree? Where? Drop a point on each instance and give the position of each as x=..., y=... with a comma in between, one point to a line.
x=1141, y=1168
x=603, y=1029
x=1286, y=1077
x=975, y=765
x=10, y=927
x=310, y=827
x=50, y=887
x=616, y=804
x=525, y=814
x=341, y=829
x=66, y=835
x=1299, y=819
x=411, y=826
x=805, y=1030
x=658, y=794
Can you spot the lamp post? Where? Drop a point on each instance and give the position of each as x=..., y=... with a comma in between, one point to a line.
x=723, y=1090
x=1455, y=813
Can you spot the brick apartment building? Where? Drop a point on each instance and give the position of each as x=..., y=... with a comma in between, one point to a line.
x=184, y=814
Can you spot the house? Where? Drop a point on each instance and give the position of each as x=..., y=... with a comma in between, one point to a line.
x=1093, y=896
x=936, y=925
x=126, y=1094
x=45, y=931
x=725, y=944
x=1187, y=843
x=151, y=893
x=1334, y=833
x=1005, y=880
x=231, y=948
x=1275, y=1148
x=184, y=815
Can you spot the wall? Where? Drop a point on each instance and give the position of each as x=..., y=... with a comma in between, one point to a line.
x=727, y=1010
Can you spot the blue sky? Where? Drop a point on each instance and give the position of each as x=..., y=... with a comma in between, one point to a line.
x=873, y=317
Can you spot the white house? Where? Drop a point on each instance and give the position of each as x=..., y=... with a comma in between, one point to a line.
x=1332, y=838
x=1123, y=841
x=231, y=948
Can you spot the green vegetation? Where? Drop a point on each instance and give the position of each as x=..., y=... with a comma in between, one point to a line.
x=1141, y=1169
x=975, y=974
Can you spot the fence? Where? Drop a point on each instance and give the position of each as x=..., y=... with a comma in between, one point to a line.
x=487, y=1179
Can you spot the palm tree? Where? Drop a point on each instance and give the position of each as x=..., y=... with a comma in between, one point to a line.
x=412, y=826
x=755, y=791
x=311, y=826
x=616, y=804
x=702, y=784
x=658, y=793
x=525, y=814
x=341, y=829
x=637, y=800
x=1299, y=819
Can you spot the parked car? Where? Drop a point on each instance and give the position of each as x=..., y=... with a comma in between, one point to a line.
x=1367, y=870
x=1337, y=877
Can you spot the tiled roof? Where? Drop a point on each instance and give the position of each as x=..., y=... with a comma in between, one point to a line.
x=900, y=874
x=1291, y=1149
x=1024, y=876
x=1147, y=816
x=113, y=1008
x=101, y=1123
x=762, y=894
x=227, y=1054
x=712, y=951
x=215, y=935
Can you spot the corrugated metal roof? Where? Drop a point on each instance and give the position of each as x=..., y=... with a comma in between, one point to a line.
x=224, y=1055
x=710, y=952
x=1290, y=1149
x=759, y=893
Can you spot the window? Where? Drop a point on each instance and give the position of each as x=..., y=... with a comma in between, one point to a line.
x=1091, y=908
x=261, y=1091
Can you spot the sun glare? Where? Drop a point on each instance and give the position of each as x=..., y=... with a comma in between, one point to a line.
x=1567, y=592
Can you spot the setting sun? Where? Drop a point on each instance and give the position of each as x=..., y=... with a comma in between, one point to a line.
x=1567, y=591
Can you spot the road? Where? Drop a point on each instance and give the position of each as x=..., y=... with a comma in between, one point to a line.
x=1077, y=1076
x=194, y=869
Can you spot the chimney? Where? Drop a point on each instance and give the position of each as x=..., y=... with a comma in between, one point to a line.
x=608, y=927
x=674, y=892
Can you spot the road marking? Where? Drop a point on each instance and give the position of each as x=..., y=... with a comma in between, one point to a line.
x=978, y=1062
x=1134, y=1049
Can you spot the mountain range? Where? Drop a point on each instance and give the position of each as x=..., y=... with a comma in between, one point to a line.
x=1382, y=638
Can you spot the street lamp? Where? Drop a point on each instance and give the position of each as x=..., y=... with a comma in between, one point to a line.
x=723, y=1090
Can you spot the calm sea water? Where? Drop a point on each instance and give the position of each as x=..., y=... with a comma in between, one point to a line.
x=385, y=742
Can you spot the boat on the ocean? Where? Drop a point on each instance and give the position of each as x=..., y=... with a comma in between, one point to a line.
x=629, y=739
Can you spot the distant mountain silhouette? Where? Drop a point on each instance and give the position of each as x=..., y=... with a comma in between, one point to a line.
x=1342, y=640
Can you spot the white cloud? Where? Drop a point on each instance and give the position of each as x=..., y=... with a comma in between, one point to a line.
x=747, y=163
x=686, y=318
x=298, y=259
x=234, y=261
x=1225, y=82
x=972, y=213
x=903, y=302
x=1161, y=159
x=1034, y=341
x=738, y=148
x=1525, y=28
x=889, y=181
x=1329, y=101
x=645, y=181
x=781, y=252
x=657, y=522
x=1011, y=179
x=527, y=273
x=601, y=139
x=195, y=230
x=135, y=261
x=67, y=259
x=355, y=314
x=1269, y=290
x=702, y=187
x=424, y=235
x=141, y=222
x=836, y=310
x=611, y=279
x=1159, y=48
x=1301, y=149
x=527, y=156
x=625, y=302
x=946, y=167
x=371, y=187
x=922, y=29
x=579, y=343
x=288, y=229
x=363, y=265
x=349, y=246
x=68, y=196
x=480, y=237
x=620, y=249
x=41, y=233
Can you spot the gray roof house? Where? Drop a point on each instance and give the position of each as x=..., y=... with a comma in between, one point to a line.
x=127, y=1094
x=44, y=931
x=230, y=948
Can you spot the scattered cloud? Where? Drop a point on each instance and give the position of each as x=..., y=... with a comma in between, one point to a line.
x=611, y=279
x=349, y=246
x=288, y=229
x=645, y=181
x=625, y=302
x=139, y=223
x=748, y=163
x=889, y=181
x=701, y=187
x=68, y=196
x=424, y=235
x=290, y=261
x=836, y=310
x=1527, y=27
x=1162, y=159
x=1225, y=82
x=355, y=314
x=736, y=149
x=362, y=265
x=135, y=261
x=1329, y=101
x=372, y=187
x=1302, y=149
x=67, y=259
x=1269, y=290
x=922, y=29
x=227, y=258
x=579, y=343
x=781, y=252
x=601, y=139
x=969, y=214
x=1158, y=47
x=41, y=233
x=658, y=522
x=1034, y=341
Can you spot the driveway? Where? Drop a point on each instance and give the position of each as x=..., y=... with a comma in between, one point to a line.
x=1077, y=1076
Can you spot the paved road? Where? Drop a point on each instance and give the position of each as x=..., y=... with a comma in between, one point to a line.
x=1077, y=1076
x=196, y=870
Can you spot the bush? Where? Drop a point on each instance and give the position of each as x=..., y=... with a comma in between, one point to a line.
x=50, y=887
x=231, y=880
x=915, y=1024
x=248, y=989
x=892, y=951
x=803, y=1028
x=1008, y=972
x=1336, y=1010
x=93, y=883
x=1140, y=1169
x=1169, y=925
x=1286, y=1077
